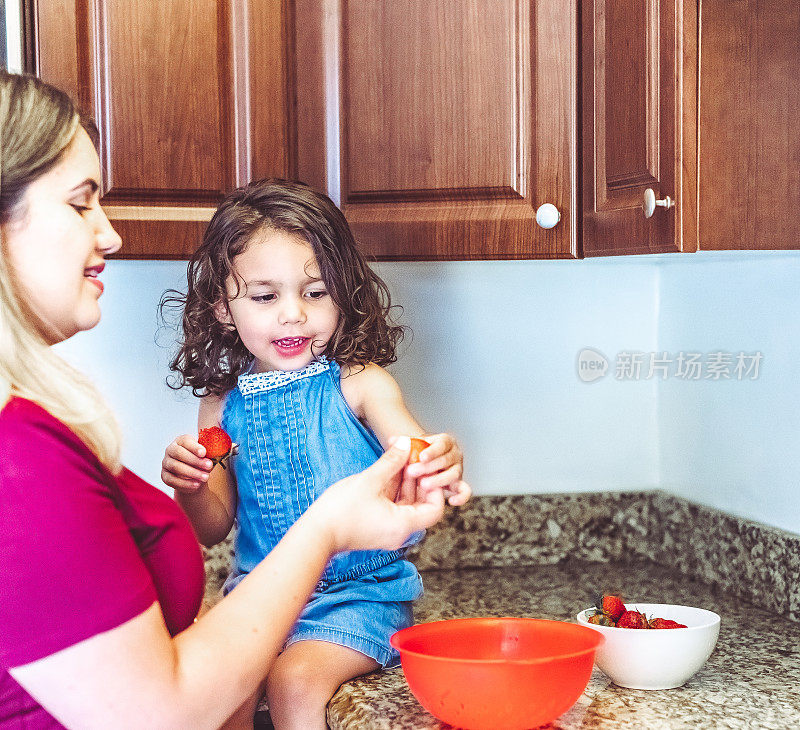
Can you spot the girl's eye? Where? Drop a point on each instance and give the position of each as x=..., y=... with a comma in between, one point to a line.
x=81, y=209
x=316, y=294
x=263, y=297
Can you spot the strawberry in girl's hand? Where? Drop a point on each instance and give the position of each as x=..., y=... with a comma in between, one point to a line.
x=217, y=444
x=417, y=446
x=632, y=620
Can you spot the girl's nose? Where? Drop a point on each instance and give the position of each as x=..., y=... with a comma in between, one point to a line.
x=292, y=311
x=108, y=240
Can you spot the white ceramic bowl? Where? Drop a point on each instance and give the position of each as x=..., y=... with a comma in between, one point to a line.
x=656, y=658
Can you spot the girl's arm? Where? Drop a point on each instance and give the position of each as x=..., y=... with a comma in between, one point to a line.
x=137, y=676
x=375, y=397
x=207, y=494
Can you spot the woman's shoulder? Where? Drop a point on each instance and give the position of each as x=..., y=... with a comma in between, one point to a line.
x=25, y=422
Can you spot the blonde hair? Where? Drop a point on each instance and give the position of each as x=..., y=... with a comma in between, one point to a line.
x=37, y=123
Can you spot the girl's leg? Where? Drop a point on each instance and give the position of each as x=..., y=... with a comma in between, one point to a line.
x=305, y=676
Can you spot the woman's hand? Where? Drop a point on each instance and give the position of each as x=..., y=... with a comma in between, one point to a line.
x=360, y=512
x=184, y=467
x=440, y=466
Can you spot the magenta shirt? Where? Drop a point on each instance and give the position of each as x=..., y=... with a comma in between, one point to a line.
x=81, y=551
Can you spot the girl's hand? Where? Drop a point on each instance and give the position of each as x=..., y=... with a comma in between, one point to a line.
x=183, y=467
x=360, y=511
x=440, y=466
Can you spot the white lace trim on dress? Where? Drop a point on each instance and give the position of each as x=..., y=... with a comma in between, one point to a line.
x=257, y=382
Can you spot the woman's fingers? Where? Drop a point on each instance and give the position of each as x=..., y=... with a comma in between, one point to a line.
x=385, y=473
x=423, y=514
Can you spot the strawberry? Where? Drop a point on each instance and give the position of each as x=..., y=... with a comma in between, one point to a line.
x=632, y=620
x=611, y=605
x=217, y=443
x=665, y=623
x=417, y=445
x=601, y=619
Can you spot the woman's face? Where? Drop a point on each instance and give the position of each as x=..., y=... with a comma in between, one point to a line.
x=57, y=241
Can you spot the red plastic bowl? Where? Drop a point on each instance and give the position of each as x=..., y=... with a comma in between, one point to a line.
x=497, y=673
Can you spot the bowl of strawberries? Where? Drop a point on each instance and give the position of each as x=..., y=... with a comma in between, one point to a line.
x=651, y=645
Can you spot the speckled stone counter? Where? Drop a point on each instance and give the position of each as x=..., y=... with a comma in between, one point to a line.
x=752, y=679
x=546, y=555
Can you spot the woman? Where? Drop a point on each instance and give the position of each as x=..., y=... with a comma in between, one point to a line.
x=102, y=576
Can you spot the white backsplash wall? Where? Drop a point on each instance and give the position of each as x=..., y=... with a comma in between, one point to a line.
x=730, y=443
x=493, y=359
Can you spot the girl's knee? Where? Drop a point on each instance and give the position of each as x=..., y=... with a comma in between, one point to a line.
x=298, y=681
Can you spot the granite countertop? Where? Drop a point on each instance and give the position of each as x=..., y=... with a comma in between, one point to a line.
x=548, y=555
x=752, y=679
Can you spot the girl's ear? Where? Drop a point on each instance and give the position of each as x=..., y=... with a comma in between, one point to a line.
x=222, y=314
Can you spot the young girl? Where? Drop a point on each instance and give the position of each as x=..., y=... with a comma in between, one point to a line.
x=284, y=334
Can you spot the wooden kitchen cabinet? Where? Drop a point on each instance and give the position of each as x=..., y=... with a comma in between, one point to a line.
x=639, y=122
x=749, y=128
x=438, y=126
x=192, y=98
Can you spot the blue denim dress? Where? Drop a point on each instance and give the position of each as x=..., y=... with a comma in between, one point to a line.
x=297, y=436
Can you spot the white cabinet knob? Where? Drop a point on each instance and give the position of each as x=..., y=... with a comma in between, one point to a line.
x=547, y=215
x=649, y=204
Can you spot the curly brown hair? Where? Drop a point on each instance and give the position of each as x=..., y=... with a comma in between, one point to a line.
x=211, y=355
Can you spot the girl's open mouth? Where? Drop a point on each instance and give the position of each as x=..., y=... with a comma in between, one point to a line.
x=290, y=346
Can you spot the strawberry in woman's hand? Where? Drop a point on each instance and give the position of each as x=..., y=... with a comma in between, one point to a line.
x=417, y=446
x=217, y=444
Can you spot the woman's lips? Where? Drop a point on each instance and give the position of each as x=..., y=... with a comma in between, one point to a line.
x=94, y=280
x=290, y=346
x=92, y=273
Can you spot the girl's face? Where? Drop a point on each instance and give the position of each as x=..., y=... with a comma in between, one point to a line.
x=283, y=312
x=55, y=246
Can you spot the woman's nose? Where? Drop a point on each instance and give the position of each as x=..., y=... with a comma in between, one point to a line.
x=108, y=240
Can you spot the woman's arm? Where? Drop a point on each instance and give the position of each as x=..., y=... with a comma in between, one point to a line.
x=210, y=505
x=137, y=676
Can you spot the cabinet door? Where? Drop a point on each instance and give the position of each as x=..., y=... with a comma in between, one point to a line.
x=639, y=67
x=749, y=123
x=191, y=98
x=440, y=126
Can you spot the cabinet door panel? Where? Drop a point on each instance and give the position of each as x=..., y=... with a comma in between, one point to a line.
x=439, y=126
x=635, y=98
x=191, y=98
x=749, y=141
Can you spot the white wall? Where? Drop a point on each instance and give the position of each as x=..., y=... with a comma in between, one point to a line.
x=734, y=444
x=493, y=359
